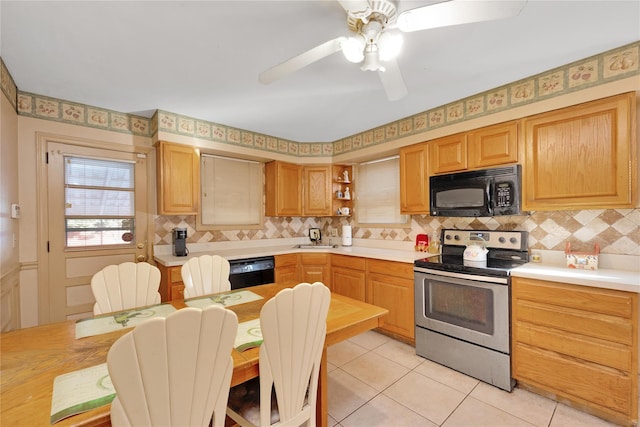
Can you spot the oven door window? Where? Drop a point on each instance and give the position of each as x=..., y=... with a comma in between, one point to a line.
x=469, y=307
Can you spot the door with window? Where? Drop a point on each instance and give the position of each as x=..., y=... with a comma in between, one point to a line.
x=97, y=216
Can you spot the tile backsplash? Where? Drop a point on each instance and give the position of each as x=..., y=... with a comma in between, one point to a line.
x=617, y=231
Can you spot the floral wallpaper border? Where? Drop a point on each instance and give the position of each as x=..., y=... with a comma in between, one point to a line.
x=606, y=67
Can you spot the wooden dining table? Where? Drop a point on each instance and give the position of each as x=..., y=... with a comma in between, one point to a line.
x=31, y=358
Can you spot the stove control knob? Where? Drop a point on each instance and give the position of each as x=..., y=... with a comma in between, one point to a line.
x=501, y=240
x=448, y=236
x=456, y=237
x=513, y=240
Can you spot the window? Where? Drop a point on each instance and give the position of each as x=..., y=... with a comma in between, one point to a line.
x=99, y=202
x=231, y=193
x=379, y=193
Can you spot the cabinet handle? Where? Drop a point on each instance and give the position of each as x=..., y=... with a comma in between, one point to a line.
x=141, y=258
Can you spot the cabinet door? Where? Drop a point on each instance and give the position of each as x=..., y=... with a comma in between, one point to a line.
x=396, y=295
x=414, y=179
x=283, y=189
x=178, y=172
x=315, y=268
x=286, y=271
x=317, y=190
x=348, y=282
x=314, y=273
x=171, y=286
x=581, y=157
x=286, y=275
x=448, y=154
x=493, y=145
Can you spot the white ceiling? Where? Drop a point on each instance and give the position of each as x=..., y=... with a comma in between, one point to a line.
x=202, y=58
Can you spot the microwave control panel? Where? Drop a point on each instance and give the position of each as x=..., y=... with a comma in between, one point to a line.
x=505, y=195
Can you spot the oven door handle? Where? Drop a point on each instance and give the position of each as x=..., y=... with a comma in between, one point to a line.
x=500, y=280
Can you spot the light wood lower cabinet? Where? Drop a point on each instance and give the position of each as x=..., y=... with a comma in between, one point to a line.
x=348, y=276
x=286, y=269
x=315, y=267
x=577, y=344
x=171, y=286
x=390, y=285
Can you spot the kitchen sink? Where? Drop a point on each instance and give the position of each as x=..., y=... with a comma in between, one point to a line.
x=311, y=246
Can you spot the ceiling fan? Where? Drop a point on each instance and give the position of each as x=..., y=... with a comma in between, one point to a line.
x=377, y=37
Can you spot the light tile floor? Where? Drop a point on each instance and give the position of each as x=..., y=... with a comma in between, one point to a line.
x=376, y=381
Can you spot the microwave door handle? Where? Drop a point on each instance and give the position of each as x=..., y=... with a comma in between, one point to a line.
x=489, y=196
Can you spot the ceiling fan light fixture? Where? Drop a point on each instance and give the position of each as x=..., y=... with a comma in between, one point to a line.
x=371, y=61
x=389, y=45
x=353, y=49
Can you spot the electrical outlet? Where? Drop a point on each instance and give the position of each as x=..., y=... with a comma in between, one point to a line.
x=334, y=232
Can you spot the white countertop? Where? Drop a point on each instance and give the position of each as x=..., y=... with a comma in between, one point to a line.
x=389, y=251
x=620, y=272
x=602, y=278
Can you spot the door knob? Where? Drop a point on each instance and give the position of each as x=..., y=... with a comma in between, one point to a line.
x=141, y=258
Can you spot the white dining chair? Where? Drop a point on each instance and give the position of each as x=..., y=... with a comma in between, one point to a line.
x=204, y=275
x=123, y=286
x=174, y=371
x=293, y=325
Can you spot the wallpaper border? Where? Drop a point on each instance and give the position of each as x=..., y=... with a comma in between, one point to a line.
x=612, y=65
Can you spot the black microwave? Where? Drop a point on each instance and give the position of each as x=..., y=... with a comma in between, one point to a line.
x=487, y=192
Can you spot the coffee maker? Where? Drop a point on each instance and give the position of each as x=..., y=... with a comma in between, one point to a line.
x=180, y=242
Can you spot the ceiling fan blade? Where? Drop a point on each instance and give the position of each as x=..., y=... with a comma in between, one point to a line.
x=392, y=81
x=457, y=12
x=300, y=61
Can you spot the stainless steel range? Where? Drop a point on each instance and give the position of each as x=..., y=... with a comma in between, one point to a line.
x=462, y=302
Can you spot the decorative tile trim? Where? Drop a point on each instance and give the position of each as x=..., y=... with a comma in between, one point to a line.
x=603, y=68
x=7, y=85
x=47, y=108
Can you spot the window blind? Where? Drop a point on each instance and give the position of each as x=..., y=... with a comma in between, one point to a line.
x=379, y=192
x=231, y=191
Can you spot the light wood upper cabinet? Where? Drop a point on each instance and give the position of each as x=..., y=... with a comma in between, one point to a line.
x=317, y=190
x=414, y=179
x=448, y=154
x=283, y=188
x=493, y=145
x=577, y=343
x=178, y=179
x=581, y=157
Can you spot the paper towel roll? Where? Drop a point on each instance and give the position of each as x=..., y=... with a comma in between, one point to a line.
x=346, y=235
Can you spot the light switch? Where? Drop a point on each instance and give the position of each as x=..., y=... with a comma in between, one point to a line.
x=15, y=210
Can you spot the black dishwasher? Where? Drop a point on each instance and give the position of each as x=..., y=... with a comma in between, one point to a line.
x=251, y=271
